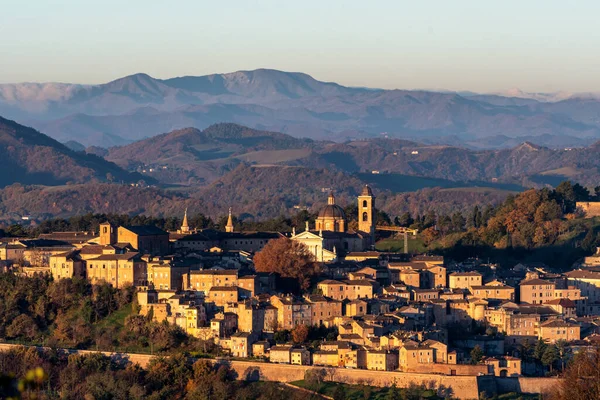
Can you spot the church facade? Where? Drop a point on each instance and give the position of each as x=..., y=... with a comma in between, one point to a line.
x=331, y=236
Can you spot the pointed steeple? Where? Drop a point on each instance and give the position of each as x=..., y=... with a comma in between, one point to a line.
x=229, y=226
x=184, y=225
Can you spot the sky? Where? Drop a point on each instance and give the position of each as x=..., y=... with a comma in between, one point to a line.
x=479, y=45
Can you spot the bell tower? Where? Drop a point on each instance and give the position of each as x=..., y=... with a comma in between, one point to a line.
x=366, y=214
x=108, y=233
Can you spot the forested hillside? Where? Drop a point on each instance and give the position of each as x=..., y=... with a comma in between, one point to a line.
x=192, y=157
x=30, y=157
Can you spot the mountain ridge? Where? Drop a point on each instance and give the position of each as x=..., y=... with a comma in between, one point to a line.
x=30, y=157
x=137, y=106
x=193, y=157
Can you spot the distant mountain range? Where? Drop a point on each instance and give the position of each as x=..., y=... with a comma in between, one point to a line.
x=139, y=106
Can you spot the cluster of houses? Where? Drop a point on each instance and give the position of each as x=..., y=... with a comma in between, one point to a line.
x=388, y=311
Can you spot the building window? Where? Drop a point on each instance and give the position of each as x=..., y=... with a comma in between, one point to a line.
x=365, y=217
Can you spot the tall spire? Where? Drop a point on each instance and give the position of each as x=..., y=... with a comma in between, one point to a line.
x=229, y=226
x=184, y=225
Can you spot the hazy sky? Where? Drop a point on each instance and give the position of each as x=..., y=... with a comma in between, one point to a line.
x=477, y=45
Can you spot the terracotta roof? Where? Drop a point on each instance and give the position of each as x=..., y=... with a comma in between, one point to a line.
x=92, y=249
x=215, y=272
x=145, y=230
x=581, y=274
x=330, y=282
x=557, y=323
x=535, y=281
x=108, y=257
x=485, y=287
x=359, y=282
x=565, y=302
x=468, y=273
x=223, y=289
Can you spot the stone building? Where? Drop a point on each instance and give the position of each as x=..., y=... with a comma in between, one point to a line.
x=204, y=280
x=118, y=270
x=494, y=290
x=348, y=289
x=536, y=291
x=323, y=309
x=166, y=275
x=144, y=239
x=556, y=329
x=291, y=311
x=464, y=280
x=67, y=265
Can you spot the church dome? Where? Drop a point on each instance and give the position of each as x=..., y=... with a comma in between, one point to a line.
x=332, y=211
x=331, y=217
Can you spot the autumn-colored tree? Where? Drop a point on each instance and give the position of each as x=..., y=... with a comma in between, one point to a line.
x=429, y=235
x=300, y=334
x=581, y=379
x=288, y=258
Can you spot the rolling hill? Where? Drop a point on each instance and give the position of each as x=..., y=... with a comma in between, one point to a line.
x=30, y=157
x=191, y=157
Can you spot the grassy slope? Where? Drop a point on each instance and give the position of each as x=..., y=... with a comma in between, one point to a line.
x=396, y=244
x=116, y=319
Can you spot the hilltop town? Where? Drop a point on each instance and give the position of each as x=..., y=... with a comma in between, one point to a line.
x=371, y=310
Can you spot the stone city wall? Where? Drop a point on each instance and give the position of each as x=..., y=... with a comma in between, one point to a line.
x=462, y=387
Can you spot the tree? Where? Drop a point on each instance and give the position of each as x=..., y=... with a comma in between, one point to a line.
x=476, y=355
x=458, y=222
x=299, y=334
x=288, y=258
x=24, y=327
x=382, y=218
x=476, y=218
x=429, y=219
x=581, y=379
x=563, y=352
x=314, y=377
x=566, y=196
x=393, y=393
x=404, y=220
x=550, y=356
x=590, y=240
x=429, y=235
x=339, y=393
x=282, y=336
x=539, y=349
